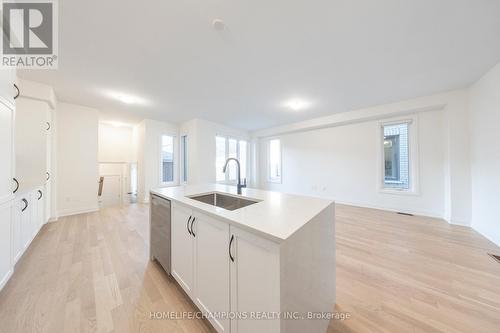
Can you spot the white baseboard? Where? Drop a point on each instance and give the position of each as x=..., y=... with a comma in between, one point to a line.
x=414, y=212
x=487, y=236
x=69, y=212
x=6, y=279
x=458, y=222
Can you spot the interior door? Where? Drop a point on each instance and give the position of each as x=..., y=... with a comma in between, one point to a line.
x=182, y=248
x=212, y=269
x=255, y=285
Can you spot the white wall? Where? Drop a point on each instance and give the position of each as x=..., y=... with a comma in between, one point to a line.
x=138, y=137
x=484, y=106
x=457, y=167
x=77, y=170
x=343, y=163
x=453, y=200
x=115, y=143
x=148, y=142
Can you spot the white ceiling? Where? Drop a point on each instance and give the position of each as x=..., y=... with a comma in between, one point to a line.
x=337, y=54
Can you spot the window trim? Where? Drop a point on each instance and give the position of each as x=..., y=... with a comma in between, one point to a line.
x=413, y=153
x=175, y=160
x=183, y=159
x=226, y=181
x=268, y=162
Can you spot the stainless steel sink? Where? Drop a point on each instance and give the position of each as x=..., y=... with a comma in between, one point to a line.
x=225, y=201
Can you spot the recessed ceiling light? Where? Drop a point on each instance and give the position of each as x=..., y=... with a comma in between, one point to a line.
x=297, y=104
x=116, y=124
x=218, y=24
x=126, y=98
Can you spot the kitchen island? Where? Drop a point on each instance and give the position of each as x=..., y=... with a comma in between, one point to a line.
x=261, y=261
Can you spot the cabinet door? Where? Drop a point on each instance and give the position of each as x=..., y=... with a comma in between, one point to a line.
x=182, y=248
x=26, y=222
x=48, y=185
x=6, y=264
x=40, y=209
x=212, y=268
x=34, y=220
x=6, y=151
x=7, y=79
x=31, y=145
x=255, y=286
x=17, y=237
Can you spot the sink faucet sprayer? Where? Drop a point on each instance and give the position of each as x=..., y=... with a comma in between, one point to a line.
x=240, y=186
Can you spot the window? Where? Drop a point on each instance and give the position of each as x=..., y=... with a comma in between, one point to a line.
x=396, y=156
x=220, y=158
x=230, y=147
x=274, y=161
x=233, y=152
x=243, y=158
x=167, y=159
x=184, y=152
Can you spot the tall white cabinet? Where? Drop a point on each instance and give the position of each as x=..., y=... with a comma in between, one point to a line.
x=25, y=142
x=31, y=142
x=7, y=118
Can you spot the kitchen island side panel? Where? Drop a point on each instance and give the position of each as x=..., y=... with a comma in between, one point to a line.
x=307, y=273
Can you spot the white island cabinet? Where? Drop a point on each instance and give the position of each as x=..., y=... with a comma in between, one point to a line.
x=266, y=267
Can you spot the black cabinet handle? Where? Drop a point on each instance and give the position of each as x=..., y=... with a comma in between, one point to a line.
x=17, y=185
x=17, y=91
x=48, y=175
x=187, y=225
x=192, y=231
x=230, y=243
x=48, y=126
x=41, y=194
x=25, y=205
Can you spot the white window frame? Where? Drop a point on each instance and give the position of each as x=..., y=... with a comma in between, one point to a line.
x=268, y=162
x=413, y=154
x=226, y=181
x=184, y=159
x=174, y=181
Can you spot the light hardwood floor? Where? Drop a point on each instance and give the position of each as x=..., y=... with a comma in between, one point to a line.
x=91, y=273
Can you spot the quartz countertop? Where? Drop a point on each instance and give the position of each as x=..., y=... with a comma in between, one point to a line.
x=276, y=216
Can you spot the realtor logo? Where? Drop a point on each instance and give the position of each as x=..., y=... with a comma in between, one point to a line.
x=29, y=37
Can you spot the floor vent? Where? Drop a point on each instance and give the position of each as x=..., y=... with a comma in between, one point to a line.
x=494, y=256
x=405, y=214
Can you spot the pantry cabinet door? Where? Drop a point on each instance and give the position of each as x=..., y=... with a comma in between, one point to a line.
x=31, y=143
x=26, y=221
x=17, y=237
x=6, y=152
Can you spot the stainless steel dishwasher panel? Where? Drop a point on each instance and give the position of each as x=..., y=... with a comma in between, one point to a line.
x=159, y=233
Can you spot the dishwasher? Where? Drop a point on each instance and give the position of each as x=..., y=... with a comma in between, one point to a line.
x=159, y=231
